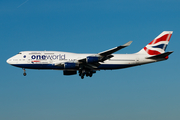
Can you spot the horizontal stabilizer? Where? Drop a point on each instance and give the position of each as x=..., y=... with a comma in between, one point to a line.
x=160, y=56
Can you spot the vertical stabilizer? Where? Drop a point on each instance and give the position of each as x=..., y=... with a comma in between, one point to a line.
x=158, y=45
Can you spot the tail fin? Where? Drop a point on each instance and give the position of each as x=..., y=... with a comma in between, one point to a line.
x=158, y=45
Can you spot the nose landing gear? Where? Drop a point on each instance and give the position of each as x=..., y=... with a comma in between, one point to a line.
x=24, y=72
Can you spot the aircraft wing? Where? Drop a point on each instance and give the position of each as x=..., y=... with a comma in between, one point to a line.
x=110, y=51
x=102, y=56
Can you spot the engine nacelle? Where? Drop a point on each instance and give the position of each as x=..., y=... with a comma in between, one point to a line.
x=69, y=65
x=92, y=59
x=69, y=72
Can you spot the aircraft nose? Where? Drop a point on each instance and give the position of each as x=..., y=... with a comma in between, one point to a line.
x=8, y=61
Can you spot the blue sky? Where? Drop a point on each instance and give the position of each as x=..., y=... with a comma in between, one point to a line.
x=82, y=26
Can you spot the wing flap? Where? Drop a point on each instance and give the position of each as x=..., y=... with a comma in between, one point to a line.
x=91, y=66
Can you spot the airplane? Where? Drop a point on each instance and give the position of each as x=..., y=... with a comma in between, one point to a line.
x=88, y=64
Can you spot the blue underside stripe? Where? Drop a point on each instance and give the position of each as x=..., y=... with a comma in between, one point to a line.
x=52, y=66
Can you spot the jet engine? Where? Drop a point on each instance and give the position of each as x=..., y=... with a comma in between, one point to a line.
x=69, y=72
x=92, y=59
x=69, y=65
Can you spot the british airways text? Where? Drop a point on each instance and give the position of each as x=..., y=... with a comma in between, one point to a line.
x=44, y=57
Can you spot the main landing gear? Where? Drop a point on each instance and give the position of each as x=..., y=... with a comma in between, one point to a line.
x=24, y=72
x=82, y=73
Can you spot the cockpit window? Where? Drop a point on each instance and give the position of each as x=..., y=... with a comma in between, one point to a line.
x=19, y=53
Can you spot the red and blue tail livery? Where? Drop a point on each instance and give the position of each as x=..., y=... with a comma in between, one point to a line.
x=158, y=45
x=88, y=64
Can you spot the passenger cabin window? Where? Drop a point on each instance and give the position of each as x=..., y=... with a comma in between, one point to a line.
x=34, y=53
x=49, y=53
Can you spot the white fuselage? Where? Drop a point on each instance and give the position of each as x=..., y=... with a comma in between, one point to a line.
x=50, y=59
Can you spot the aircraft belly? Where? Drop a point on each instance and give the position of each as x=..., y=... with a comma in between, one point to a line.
x=38, y=66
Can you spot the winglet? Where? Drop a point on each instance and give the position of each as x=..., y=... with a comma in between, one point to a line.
x=128, y=43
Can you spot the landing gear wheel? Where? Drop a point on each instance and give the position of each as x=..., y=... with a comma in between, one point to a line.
x=87, y=74
x=82, y=75
x=24, y=74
